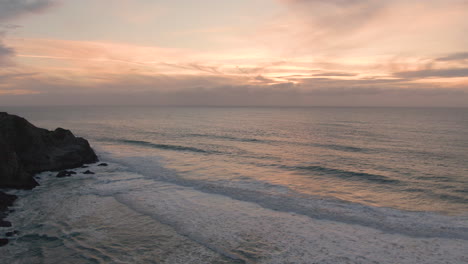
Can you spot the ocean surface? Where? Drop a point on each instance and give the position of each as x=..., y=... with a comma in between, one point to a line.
x=251, y=185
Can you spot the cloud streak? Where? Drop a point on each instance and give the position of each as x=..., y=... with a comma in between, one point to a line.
x=460, y=56
x=5, y=53
x=224, y=90
x=69, y=69
x=11, y=10
x=433, y=73
x=286, y=94
x=337, y=52
x=371, y=27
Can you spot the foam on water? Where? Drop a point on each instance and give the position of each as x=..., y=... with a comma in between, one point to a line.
x=120, y=216
x=281, y=198
x=69, y=220
x=252, y=186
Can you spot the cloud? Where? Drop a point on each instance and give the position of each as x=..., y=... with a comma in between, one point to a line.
x=349, y=52
x=437, y=73
x=286, y=94
x=335, y=74
x=5, y=53
x=7, y=76
x=12, y=9
x=318, y=83
x=263, y=80
x=223, y=90
x=337, y=28
x=10, y=26
x=114, y=73
x=460, y=56
x=337, y=16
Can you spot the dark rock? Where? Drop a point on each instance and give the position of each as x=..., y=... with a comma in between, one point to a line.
x=6, y=200
x=26, y=150
x=84, y=167
x=103, y=164
x=4, y=223
x=65, y=173
x=3, y=242
x=88, y=172
x=10, y=234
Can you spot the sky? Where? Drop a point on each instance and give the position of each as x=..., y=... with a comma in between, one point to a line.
x=234, y=53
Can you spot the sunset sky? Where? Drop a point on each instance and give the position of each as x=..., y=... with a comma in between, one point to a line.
x=243, y=52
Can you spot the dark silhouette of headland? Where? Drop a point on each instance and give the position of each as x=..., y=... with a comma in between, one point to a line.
x=26, y=150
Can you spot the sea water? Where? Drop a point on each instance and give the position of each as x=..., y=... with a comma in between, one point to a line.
x=251, y=185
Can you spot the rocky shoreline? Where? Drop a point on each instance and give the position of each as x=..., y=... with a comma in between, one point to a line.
x=6, y=200
x=26, y=150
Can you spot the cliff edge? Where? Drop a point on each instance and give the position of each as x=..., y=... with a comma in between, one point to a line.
x=26, y=150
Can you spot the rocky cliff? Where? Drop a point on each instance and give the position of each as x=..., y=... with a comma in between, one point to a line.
x=26, y=150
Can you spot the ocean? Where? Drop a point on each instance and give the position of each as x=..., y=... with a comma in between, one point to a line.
x=251, y=185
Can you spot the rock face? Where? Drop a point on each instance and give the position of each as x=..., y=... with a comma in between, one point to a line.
x=6, y=200
x=26, y=150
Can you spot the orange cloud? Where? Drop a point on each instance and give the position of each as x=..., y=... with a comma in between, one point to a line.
x=18, y=92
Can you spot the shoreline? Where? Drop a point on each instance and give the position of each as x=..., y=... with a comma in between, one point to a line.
x=26, y=150
x=140, y=211
x=70, y=212
x=6, y=201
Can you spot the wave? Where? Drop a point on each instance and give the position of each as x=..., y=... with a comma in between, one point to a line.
x=163, y=146
x=316, y=169
x=453, y=198
x=344, y=174
x=230, y=138
x=342, y=148
x=282, y=198
x=435, y=178
x=270, y=141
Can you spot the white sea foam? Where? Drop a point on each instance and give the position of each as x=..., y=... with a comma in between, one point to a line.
x=96, y=218
x=280, y=198
x=191, y=191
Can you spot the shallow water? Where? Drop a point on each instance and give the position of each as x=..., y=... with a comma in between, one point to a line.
x=252, y=185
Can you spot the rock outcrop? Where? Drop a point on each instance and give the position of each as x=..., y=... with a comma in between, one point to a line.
x=26, y=150
x=6, y=200
x=65, y=173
